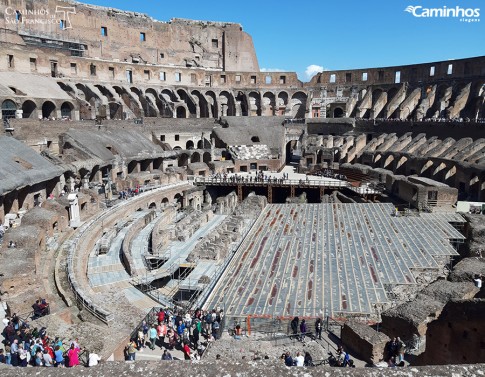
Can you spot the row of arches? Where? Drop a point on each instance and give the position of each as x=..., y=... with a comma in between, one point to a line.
x=122, y=102
x=33, y=110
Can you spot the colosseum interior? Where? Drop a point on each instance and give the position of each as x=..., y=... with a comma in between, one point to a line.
x=152, y=165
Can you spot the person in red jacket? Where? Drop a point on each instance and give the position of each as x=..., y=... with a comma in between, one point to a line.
x=187, y=351
x=161, y=316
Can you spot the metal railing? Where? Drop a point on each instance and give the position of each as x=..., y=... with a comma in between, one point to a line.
x=270, y=182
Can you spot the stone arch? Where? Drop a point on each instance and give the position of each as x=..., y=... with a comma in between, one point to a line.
x=203, y=144
x=189, y=144
x=298, y=105
x=242, y=103
x=29, y=109
x=203, y=105
x=181, y=111
x=207, y=157
x=388, y=161
x=152, y=205
x=338, y=112
x=450, y=176
x=132, y=108
x=282, y=103
x=391, y=93
x=155, y=99
x=254, y=102
x=377, y=157
x=165, y=201
x=439, y=168
x=178, y=198
x=226, y=103
x=148, y=108
x=67, y=109
x=400, y=166
x=195, y=157
x=183, y=159
x=212, y=103
x=269, y=104
x=191, y=107
x=9, y=109
x=426, y=168
x=48, y=110
x=377, y=106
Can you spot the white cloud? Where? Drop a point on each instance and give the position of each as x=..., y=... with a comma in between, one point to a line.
x=312, y=70
x=272, y=70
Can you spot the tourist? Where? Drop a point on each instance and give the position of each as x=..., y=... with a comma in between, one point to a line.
x=166, y=355
x=93, y=359
x=153, y=336
x=73, y=355
x=308, y=360
x=58, y=357
x=288, y=360
x=318, y=328
x=299, y=360
x=294, y=325
x=303, y=329
x=131, y=350
x=187, y=351
x=47, y=358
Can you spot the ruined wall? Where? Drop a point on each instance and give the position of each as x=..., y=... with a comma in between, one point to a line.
x=460, y=68
x=178, y=42
x=457, y=336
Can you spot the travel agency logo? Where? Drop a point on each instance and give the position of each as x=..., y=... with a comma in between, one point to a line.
x=41, y=16
x=459, y=13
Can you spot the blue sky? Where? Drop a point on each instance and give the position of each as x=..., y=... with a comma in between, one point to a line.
x=345, y=34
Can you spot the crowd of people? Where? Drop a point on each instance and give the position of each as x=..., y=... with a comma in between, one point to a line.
x=259, y=177
x=26, y=346
x=190, y=333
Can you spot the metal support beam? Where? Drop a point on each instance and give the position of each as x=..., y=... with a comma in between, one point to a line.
x=322, y=193
x=292, y=191
x=240, y=193
x=270, y=194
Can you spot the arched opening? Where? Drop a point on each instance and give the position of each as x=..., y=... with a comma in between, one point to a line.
x=48, y=110
x=164, y=202
x=255, y=139
x=152, y=206
x=189, y=144
x=242, y=101
x=298, y=105
x=181, y=112
x=226, y=101
x=9, y=109
x=28, y=109
x=66, y=110
x=291, y=156
x=388, y=162
x=269, y=103
x=282, y=103
x=338, y=112
x=212, y=104
x=178, y=198
x=183, y=159
x=207, y=157
x=203, y=104
x=184, y=96
x=195, y=157
x=254, y=104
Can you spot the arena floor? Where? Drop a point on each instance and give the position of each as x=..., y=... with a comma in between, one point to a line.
x=317, y=259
